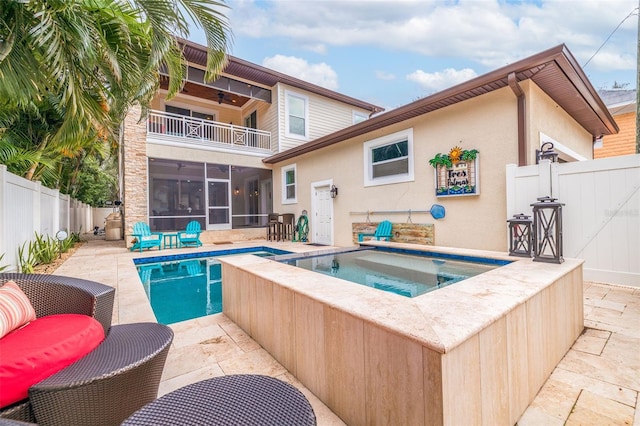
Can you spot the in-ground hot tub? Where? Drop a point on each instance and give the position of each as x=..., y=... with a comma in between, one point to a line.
x=474, y=352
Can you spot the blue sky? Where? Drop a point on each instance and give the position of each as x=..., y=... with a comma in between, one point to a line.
x=392, y=52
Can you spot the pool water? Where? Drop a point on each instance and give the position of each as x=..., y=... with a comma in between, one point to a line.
x=407, y=273
x=188, y=286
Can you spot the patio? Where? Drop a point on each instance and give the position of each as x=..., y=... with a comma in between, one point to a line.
x=595, y=383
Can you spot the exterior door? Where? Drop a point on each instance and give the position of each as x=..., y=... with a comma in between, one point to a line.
x=218, y=211
x=322, y=221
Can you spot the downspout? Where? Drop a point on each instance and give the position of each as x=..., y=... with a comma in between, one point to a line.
x=522, y=154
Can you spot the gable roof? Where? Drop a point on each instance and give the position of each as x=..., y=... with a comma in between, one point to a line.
x=555, y=71
x=245, y=70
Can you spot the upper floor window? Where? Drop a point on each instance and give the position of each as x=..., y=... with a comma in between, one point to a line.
x=296, y=115
x=289, y=184
x=389, y=159
x=359, y=117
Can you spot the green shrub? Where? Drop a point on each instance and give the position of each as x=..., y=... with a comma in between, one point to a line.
x=2, y=268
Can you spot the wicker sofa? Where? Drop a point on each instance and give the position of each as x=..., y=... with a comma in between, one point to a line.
x=109, y=383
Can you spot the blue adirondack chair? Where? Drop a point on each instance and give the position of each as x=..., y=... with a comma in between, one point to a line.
x=190, y=236
x=383, y=232
x=145, y=239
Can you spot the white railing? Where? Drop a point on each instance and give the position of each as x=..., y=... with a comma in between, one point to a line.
x=28, y=208
x=207, y=131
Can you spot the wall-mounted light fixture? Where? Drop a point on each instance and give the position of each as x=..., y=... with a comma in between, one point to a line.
x=236, y=190
x=546, y=152
x=334, y=191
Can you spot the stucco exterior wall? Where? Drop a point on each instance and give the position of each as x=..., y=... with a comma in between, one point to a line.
x=487, y=123
x=623, y=143
x=546, y=116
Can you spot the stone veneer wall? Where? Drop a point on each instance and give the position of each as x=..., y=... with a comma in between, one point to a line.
x=412, y=233
x=135, y=171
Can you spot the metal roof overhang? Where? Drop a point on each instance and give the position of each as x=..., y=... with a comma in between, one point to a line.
x=555, y=71
x=252, y=73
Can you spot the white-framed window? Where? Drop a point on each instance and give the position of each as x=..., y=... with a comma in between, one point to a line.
x=359, y=117
x=296, y=110
x=389, y=159
x=289, y=184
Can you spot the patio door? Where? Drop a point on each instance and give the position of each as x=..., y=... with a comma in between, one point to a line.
x=322, y=213
x=219, y=202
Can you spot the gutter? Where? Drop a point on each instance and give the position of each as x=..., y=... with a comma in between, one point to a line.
x=522, y=142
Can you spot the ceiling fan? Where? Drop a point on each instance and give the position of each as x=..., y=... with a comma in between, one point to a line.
x=223, y=97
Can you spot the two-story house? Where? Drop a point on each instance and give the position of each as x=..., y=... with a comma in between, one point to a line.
x=199, y=155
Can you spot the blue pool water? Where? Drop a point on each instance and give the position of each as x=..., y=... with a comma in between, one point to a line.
x=189, y=285
x=408, y=273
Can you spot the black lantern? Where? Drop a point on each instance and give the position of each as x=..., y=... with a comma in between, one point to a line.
x=334, y=191
x=520, y=235
x=546, y=152
x=547, y=230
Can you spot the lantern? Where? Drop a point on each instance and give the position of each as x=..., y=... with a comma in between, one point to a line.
x=520, y=235
x=547, y=230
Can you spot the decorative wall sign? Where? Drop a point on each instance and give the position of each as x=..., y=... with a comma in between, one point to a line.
x=456, y=172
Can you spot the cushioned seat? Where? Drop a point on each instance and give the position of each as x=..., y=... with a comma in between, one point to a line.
x=41, y=348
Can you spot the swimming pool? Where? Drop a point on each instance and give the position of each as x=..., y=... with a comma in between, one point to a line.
x=186, y=286
x=404, y=272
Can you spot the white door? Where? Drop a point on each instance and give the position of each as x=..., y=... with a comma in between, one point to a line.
x=322, y=211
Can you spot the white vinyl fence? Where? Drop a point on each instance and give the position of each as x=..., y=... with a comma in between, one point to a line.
x=27, y=208
x=601, y=212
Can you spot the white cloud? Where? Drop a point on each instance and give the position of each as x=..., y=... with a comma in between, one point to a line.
x=492, y=33
x=318, y=48
x=321, y=74
x=440, y=80
x=383, y=75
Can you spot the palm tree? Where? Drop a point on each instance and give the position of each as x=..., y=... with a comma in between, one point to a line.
x=85, y=62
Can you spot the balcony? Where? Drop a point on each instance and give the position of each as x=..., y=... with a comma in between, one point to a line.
x=179, y=128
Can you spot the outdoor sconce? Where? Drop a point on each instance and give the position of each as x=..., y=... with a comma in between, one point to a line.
x=547, y=230
x=546, y=152
x=236, y=190
x=334, y=191
x=520, y=235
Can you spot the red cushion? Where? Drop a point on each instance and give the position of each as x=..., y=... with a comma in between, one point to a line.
x=42, y=348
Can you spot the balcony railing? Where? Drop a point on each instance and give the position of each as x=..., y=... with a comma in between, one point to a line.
x=207, y=132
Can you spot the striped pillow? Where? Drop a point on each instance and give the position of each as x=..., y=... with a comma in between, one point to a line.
x=15, y=308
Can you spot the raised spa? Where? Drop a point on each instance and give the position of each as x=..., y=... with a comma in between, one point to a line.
x=408, y=273
x=475, y=352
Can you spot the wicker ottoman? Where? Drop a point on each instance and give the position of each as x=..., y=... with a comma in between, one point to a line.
x=244, y=399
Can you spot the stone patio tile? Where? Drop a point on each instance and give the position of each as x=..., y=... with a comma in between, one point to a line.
x=534, y=416
x=607, y=304
x=190, y=332
x=625, y=350
x=603, y=334
x=182, y=360
x=169, y=385
x=221, y=348
x=254, y=362
x=592, y=409
x=597, y=387
x=600, y=368
x=556, y=399
x=590, y=344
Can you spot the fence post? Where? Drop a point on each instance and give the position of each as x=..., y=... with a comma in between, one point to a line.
x=511, y=190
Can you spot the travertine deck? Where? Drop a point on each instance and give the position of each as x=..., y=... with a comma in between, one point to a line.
x=596, y=383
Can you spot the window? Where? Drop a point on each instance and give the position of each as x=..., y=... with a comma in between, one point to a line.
x=289, y=184
x=296, y=115
x=359, y=117
x=389, y=159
